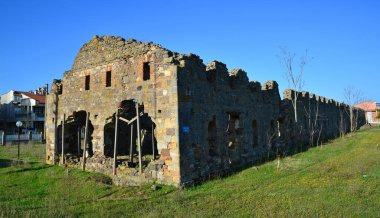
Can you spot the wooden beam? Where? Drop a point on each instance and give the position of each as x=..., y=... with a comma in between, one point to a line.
x=115, y=142
x=55, y=153
x=138, y=137
x=85, y=141
x=131, y=145
x=153, y=152
x=79, y=138
x=153, y=120
x=63, y=139
x=128, y=121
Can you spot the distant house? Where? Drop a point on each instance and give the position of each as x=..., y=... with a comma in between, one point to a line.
x=1, y=117
x=27, y=107
x=372, y=111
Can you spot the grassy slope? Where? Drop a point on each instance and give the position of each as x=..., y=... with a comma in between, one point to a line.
x=342, y=178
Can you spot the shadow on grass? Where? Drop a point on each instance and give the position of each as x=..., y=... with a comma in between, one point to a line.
x=30, y=169
x=8, y=163
x=26, y=166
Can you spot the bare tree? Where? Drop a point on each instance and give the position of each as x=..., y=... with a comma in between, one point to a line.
x=294, y=77
x=315, y=122
x=312, y=115
x=273, y=135
x=353, y=97
x=270, y=141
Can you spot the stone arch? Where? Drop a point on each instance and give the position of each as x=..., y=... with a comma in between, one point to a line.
x=127, y=133
x=74, y=135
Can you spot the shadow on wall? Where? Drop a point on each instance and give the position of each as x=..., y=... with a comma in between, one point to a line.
x=74, y=135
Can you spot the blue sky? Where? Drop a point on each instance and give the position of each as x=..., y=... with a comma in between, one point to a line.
x=40, y=39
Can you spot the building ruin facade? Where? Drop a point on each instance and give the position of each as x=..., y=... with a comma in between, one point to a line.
x=174, y=119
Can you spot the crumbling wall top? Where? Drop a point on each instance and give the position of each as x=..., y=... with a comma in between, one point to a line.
x=216, y=65
x=104, y=49
x=271, y=84
x=56, y=86
x=239, y=74
x=254, y=86
x=306, y=96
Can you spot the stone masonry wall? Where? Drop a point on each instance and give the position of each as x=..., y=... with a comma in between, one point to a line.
x=227, y=122
x=217, y=109
x=125, y=60
x=319, y=119
x=208, y=121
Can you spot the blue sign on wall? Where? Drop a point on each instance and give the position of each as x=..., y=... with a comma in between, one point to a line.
x=186, y=129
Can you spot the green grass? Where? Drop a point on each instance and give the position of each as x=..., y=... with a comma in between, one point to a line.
x=340, y=179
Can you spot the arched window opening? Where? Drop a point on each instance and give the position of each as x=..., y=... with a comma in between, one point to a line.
x=127, y=149
x=74, y=136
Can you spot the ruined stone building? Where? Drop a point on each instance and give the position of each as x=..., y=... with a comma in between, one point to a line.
x=195, y=120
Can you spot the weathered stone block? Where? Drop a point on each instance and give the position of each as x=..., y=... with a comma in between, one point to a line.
x=170, y=131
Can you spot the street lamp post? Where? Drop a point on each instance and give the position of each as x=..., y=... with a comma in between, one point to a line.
x=18, y=124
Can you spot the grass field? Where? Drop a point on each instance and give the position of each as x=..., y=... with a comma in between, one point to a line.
x=341, y=178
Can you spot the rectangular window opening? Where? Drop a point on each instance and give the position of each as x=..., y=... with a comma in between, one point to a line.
x=60, y=89
x=108, y=78
x=87, y=83
x=146, y=71
x=234, y=126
